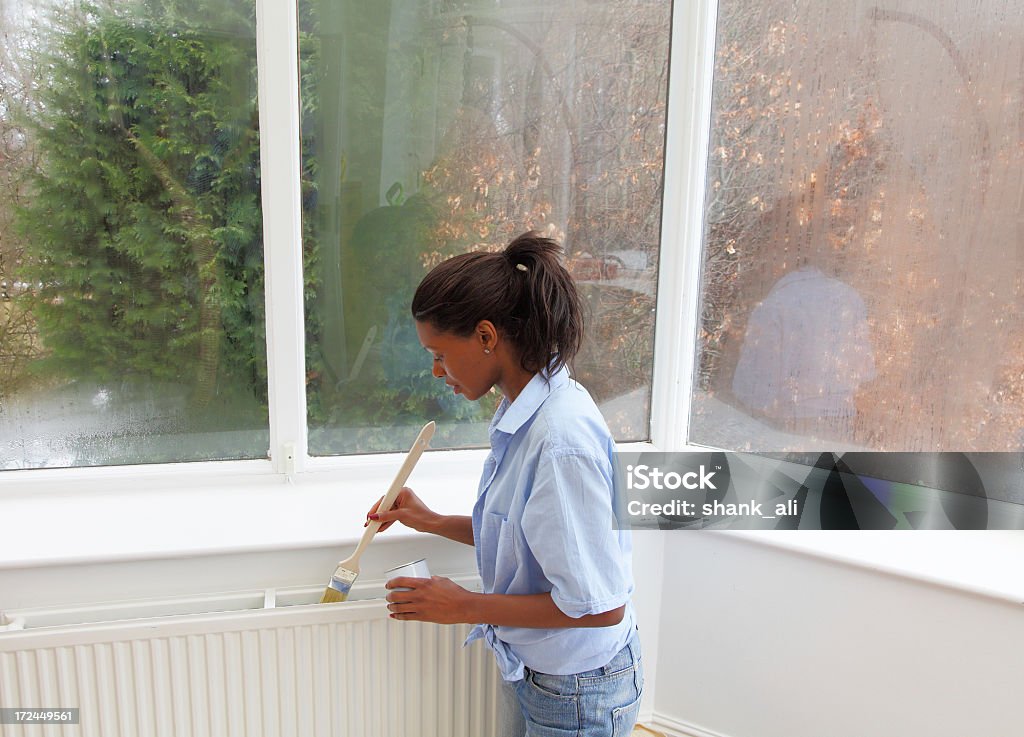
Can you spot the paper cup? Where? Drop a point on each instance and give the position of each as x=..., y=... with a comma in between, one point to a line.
x=416, y=569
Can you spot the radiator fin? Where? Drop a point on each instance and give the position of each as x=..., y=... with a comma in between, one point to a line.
x=369, y=677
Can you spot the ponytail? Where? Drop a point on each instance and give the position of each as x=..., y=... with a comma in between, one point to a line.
x=524, y=290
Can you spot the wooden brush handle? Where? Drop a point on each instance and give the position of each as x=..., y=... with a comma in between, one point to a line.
x=422, y=441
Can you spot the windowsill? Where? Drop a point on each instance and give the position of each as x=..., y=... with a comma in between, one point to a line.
x=95, y=515
x=120, y=514
x=979, y=562
x=54, y=518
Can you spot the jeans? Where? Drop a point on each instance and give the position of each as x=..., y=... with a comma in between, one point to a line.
x=596, y=703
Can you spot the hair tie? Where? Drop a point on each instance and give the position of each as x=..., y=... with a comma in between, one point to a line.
x=522, y=267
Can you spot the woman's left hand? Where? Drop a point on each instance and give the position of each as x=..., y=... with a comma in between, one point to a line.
x=435, y=599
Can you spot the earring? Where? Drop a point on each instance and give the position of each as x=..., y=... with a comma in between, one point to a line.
x=487, y=351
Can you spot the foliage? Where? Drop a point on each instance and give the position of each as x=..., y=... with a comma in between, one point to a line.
x=568, y=139
x=777, y=196
x=396, y=385
x=19, y=338
x=145, y=222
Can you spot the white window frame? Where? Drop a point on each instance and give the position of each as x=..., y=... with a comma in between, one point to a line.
x=688, y=131
x=277, y=67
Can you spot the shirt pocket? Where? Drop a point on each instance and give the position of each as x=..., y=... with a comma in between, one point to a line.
x=499, y=552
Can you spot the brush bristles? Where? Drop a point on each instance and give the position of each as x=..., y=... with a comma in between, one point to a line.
x=332, y=596
x=340, y=584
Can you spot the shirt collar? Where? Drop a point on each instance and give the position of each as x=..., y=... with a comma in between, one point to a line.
x=512, y=416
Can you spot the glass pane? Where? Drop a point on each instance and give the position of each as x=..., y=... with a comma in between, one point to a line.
x=432, y=128
x=862, y=274
x=131, y=267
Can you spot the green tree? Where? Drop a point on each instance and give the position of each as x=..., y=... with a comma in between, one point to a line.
x=145, y=220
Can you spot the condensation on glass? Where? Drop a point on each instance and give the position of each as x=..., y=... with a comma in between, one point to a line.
x=131, y=268
x=432, y=128
x=864, y=234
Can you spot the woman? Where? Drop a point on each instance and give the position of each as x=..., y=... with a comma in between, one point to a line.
x=555, y=602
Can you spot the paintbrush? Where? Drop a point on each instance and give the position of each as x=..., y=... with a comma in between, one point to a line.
x=348, y=570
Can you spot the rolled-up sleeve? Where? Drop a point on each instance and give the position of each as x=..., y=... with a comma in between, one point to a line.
x=568, y=525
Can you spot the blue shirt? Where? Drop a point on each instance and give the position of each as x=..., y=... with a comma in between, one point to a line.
x=544, y=522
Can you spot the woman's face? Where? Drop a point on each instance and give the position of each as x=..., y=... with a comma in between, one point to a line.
x=461, y=362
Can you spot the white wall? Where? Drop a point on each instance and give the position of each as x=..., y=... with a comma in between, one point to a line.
x=742, y=637
x=762, y=641
x=648, y=572
x=105, y=581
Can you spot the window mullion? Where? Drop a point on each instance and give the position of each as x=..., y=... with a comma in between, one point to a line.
x=280, y=166
x=686, y=146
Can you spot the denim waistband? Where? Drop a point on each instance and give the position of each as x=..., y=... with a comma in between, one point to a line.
x=624, y=658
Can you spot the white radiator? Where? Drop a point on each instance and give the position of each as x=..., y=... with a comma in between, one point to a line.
x=273, y=664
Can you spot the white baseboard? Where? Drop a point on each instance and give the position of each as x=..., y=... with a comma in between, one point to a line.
x=676, y=728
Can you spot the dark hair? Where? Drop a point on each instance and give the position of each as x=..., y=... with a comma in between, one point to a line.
x=524, y=290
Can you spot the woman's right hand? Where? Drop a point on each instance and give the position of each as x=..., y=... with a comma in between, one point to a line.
x=408, y=509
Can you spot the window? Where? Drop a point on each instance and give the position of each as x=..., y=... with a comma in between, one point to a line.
x=440, y=127
x=592, y=50
x=838, y=217
x=131, y=276
x=861, y=273
x=136, y=305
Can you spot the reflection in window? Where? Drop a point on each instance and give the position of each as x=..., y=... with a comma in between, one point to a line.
x=439, y=127
x=131, y=270
x=862, y=271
